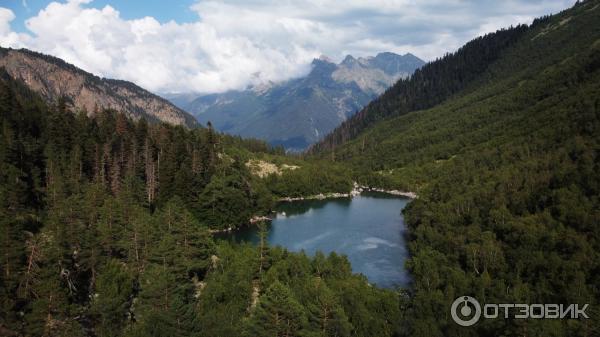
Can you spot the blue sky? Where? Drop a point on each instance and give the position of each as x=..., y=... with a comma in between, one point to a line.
x=208, y=46
x=161, y=10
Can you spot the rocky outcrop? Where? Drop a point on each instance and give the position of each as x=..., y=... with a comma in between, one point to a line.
x=53, y=78
x=356, y=190
x=262, y=169
x=410, y=195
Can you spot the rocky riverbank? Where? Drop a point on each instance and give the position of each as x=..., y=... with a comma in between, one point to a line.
x=410, y=195
x=356, y=190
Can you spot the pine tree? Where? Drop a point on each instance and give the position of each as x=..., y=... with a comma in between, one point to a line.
x=277, y=314
x=326, y=316
x=50, y=313
x=112, y=298
x=150, y=172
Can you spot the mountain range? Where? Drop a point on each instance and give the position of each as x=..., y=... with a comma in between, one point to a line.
x=301, y=111
x=106, y=223
x=54, y=78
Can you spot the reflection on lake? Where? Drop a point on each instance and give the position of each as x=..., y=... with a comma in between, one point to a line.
x=368, y=229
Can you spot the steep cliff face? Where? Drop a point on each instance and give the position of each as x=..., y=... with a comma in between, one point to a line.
x=53, y=78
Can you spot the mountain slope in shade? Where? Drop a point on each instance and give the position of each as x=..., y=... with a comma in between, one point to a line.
x=301, y=111
x=53, y=78
x=500, y=141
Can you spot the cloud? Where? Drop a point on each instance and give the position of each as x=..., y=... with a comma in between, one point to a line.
x=6, y=16
x=7, y=36
x=236, y=43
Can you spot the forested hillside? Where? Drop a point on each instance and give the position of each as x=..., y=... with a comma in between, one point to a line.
x=432, y=84
x=53, y=79
x=105, y=230
x=506, y=172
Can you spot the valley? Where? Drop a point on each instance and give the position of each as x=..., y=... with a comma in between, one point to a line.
x=301, y=111
x=122, y=215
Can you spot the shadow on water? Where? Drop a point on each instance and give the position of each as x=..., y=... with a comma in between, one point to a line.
x=303, y=206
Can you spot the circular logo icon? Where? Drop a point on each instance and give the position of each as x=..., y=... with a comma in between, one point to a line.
x=465, y=311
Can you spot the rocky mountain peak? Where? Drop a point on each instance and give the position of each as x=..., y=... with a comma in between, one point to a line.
x=324, y=58
x=349, y=60
x=300, y=111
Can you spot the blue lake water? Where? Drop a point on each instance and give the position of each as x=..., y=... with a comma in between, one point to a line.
x=369, y=229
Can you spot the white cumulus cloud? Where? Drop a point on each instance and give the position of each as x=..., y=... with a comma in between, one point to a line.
x=236, y=43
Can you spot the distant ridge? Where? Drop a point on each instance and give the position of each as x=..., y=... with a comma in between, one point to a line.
x=299, y=112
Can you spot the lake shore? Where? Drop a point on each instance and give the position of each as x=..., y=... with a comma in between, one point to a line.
x=254, y=220
x=356, y=190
